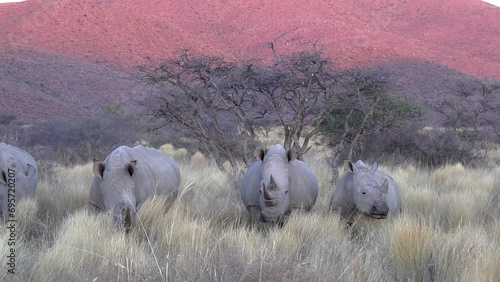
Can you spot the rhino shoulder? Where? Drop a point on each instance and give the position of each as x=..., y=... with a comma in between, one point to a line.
x=21, y=157
x=304, y=186
x=249, y=185
x=341, y=199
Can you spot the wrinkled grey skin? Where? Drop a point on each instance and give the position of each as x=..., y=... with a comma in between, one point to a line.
x=24, y=170
x=276, y=184
x=129, y=176
x=366, y=190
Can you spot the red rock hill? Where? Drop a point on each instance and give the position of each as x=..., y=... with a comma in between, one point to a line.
x=62, y=57
x=463, y=34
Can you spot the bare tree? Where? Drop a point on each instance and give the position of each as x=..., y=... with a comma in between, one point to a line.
x=208, y=97
x=294, y=92
x=367, y=103
x=472, y=110
x=221, y=103
x=272, y=45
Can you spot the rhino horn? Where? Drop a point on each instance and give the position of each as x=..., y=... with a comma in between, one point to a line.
x=267, y=196
x=272, y=183
x=98, y=168
x=374, y=167
x=385, y=187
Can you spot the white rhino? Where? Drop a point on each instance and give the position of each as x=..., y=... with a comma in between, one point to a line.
x=276, y=184
x=366, y=190
x=18, y=177
x=129, y=176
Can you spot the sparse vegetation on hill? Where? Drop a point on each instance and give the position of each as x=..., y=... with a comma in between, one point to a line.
x=37, y=85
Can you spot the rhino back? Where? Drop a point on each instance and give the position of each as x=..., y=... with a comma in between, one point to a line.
x=342, y=200
x=115, y=160
x=25, y=185
x=249, y=186
x=23, y=158
x=157, y=174
x=303, y=187
x=95, y=195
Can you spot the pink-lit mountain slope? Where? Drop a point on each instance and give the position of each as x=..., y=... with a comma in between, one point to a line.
x=99, y=43
x=462, y=34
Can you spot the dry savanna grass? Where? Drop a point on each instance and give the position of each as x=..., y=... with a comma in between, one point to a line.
x=176, y=154
x=449, y=231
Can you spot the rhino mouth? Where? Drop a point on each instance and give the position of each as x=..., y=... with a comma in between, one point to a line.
x=378, y=216
x=374, y=215
x=270, y=203
x=271, y=220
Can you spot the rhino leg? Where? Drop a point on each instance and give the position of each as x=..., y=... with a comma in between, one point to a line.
x=351, y=216
x=93, y=208
x=255, y=214
x=281, y=221
x=170, y=199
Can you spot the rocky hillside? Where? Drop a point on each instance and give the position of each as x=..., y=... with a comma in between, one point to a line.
x=60, y=57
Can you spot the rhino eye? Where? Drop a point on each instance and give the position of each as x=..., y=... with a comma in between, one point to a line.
x=286, y=191
x=363, y=192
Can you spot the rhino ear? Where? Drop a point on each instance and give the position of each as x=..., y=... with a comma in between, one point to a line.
x=260, y=153
x=291, y=154
x=385, y=187
x=130, y=167
x=98, y=168
x=374, y=167
x=30, y=171
x=3, y=178
x=351, y=167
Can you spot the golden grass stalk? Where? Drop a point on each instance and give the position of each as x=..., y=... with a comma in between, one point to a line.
x=411, y=244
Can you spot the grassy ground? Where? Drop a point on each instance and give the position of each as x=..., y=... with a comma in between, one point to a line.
x=449, y=231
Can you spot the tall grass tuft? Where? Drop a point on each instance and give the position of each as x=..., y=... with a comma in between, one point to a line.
x=86, y=247
x=411, y=245
x=465, y=254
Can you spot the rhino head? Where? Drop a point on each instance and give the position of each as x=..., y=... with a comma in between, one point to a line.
x=274, y=184
x=23, y=177
x=369, y=197
x=117, y=190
